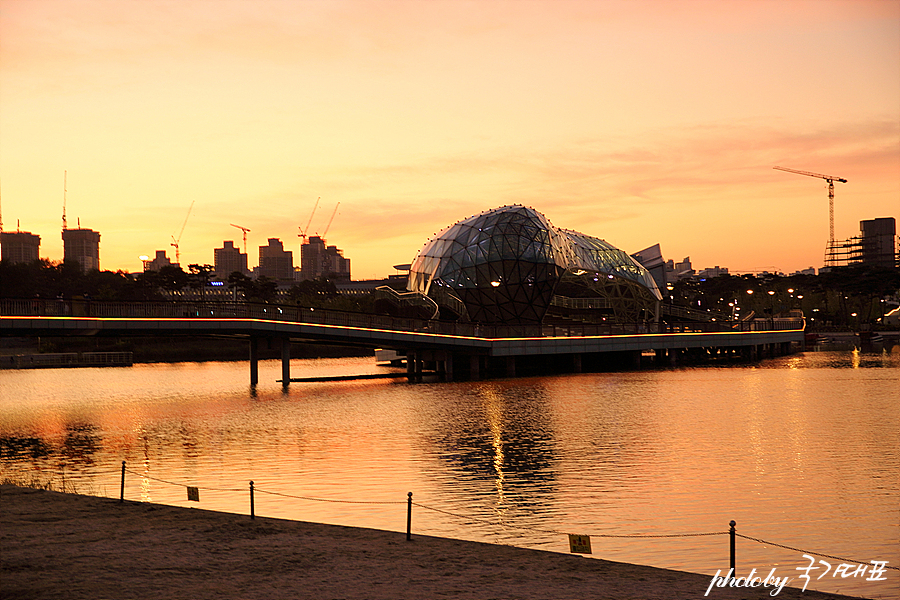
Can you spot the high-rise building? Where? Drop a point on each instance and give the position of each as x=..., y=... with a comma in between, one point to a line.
x=319, y=260
x=879, y=242
x=82, y=246
x=275, y=262
x=229, y=259
x=159, y=262
x=875, y=245
x=20, y=247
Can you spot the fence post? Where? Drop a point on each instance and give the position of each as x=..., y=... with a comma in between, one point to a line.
x=252, y=515
x=732, y=547
x=122, y=489
x=409, y=516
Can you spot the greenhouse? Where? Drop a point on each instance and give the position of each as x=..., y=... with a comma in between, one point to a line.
x=510, y=265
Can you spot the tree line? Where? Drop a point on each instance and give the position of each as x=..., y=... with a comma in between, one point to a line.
x=49, y=280
x=841, y=297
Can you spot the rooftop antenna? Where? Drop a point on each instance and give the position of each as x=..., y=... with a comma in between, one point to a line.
x=303, y=231
x=65, y=180
x=245, y=230
x=174, y=241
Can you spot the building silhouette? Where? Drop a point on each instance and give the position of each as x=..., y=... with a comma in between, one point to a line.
x=878, y=242
x=275, y=262
x=159, y=262
x=229, y=259
x=20, y=247
x=82, y=246
x=876, y=245
x=320, y=260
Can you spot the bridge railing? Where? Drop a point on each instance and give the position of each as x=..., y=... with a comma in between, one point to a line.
x=299, y=314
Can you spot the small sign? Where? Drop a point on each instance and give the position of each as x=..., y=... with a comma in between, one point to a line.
x=580, y=544
x=194, y=495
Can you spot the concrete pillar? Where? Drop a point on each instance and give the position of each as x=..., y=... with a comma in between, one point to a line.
x=660, y=356
x=285, y=361
x=448, y=366
x=636, y=359
x=474, y=366
x=254, y=360
x=411, y=365
x=510, y=366
x=576, y=363
x=673, y=356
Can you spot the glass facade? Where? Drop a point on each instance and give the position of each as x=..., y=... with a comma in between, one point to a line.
x=510, y=265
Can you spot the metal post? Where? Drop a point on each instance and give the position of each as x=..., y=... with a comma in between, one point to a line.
x=252, y=515
x=409, y=516
x=122, y=490
x=732, y=546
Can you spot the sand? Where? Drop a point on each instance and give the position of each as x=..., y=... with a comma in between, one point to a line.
x=61, y=546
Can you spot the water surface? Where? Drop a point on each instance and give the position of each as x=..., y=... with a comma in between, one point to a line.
x=801, y=451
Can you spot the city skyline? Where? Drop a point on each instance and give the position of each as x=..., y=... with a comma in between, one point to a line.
x=636, y=122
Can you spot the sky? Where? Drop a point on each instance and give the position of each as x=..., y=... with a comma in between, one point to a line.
x=639, y=122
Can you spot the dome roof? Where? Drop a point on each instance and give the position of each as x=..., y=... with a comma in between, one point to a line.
x=504, y=264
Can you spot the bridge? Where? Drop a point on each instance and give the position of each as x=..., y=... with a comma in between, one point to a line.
x=449, y=349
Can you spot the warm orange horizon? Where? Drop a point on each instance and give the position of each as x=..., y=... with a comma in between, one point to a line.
x=638, y=122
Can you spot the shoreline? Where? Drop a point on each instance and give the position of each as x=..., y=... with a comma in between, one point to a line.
x=55, y=545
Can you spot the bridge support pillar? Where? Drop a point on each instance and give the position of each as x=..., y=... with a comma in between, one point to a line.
x=673, y=356
x=410, y=366
x=576, y=363
x=474, y=366
x=448, y=366
x=254, y=360
x=659, y=356
x=510, y=366
x=636, y=359
x=285, y=361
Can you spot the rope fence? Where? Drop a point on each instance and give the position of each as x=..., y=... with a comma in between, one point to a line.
x=194, y=495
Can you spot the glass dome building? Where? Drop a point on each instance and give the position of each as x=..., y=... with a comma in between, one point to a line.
x=510, y=265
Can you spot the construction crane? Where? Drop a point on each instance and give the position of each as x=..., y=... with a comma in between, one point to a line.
x=65, y=180
x=175, y=242
x=303, y=231
x=245, y=230
x=327, y=227
x=830, y=179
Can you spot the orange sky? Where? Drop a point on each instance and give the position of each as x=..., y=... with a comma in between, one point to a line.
x=638, y=122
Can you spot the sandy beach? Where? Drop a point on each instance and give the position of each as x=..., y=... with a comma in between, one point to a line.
x=59, y=546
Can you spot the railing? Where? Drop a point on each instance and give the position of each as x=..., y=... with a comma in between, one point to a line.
x=67, y=359
x=315, y=316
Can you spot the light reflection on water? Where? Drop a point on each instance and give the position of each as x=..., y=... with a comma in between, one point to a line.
x=801, y=450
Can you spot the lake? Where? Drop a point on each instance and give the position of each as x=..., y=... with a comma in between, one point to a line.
x=801, y=451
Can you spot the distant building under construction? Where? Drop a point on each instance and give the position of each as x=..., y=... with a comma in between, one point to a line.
x=229, y=259
x=319, y=260
x=82, y=246
x=20, y=247
x=876, y=245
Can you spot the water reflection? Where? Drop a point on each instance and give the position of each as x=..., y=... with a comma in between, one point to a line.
x=799, y=450
x=497, y=433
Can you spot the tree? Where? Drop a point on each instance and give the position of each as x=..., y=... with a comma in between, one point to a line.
x=199, y=277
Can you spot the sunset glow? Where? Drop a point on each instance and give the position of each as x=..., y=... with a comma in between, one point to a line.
x=637, y=122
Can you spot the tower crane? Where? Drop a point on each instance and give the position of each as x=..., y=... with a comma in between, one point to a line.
x=175, y=242
x=244, y=230
x=327, y=227
x=830, y=179
x=303, y=231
